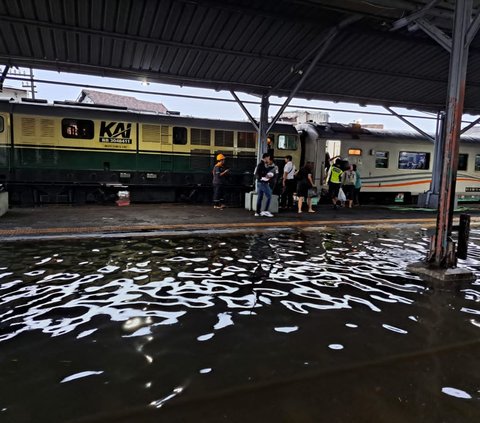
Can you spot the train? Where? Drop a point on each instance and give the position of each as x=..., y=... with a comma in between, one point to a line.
x=76, y=153
x=395, y=166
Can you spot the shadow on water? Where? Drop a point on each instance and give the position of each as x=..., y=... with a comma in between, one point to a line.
x=303, y=326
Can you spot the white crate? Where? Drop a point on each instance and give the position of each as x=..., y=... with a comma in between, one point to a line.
x=273, y=203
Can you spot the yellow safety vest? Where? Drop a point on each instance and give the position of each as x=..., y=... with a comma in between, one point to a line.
x=335, y=174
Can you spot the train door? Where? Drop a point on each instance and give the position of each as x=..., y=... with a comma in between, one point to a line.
x=332, y=149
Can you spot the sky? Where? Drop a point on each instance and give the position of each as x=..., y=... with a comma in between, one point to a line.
x=215, y=109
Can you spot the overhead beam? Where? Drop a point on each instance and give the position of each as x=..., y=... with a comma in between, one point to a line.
x=437, y=34
x=4, y=76
x=472, y=30
x=328, y=41
x=414, y=16
x=242, y=106
x=430, y=138
x=134, y=38
x=469, y=126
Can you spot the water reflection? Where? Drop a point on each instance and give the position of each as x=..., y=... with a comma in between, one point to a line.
x=161, y=313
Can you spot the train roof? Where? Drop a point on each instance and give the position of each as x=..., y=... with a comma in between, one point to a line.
x=340, y=130
x=88, y=111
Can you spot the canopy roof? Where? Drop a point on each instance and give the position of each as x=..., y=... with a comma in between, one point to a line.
x=245, y=45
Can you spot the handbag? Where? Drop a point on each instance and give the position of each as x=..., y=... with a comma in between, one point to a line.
x=341, y=195
x=312, y=192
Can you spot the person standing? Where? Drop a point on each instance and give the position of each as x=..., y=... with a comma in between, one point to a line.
x=304, y=183
x=358, y=186
x=264, y=172
x=219, y=181
x=288, y=183
x=348, y=185
x=334, y=181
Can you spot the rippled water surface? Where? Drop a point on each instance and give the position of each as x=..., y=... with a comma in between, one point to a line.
x=301, y=326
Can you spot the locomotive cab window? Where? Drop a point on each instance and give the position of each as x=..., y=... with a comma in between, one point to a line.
x=287, y=142
x=413, y=160
x=79, y=129
x=462, y=161
x=381, y=159
x=2, y=124
x=179, y=135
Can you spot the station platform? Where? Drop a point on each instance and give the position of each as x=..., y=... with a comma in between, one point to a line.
x=141, y=219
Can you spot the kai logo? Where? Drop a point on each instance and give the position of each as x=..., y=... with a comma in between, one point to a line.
x=115, y=132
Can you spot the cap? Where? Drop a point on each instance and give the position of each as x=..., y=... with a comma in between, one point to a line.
x=220, y=157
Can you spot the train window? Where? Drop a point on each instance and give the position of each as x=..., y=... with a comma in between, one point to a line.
x=381, y=159
x=354, y=152
x=200, y=136
x=246, y=139
x=75, y=128
x=287, y=142
x=477, y=163
x=179, y=135
x=2, y=125
x=224, y=138
x=413, y=160
x=462, y=161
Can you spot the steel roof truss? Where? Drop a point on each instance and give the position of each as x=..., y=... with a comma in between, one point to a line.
x=242, y=106
x=437, y=34
x=321, y=52
x=413, y=17
x=410, y=124
x=4, y=76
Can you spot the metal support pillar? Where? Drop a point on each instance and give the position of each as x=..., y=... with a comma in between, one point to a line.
x=437, y=163
x=263, y=127
x=442, y=249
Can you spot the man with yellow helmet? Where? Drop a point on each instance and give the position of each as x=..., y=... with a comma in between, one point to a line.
x=219, y=181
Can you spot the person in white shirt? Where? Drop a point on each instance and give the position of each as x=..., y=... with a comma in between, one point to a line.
x=288, y=184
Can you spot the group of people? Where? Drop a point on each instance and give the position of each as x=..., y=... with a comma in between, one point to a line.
x=349, y=181
x=294, y=182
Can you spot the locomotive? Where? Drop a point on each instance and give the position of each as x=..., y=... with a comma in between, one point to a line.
x=77, y=153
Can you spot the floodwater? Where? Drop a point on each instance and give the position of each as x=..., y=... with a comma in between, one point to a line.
x=296, y=326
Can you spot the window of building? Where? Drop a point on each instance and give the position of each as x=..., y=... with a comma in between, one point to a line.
x=381, y=159
x=477, y=163
x=462, y=161
x=200, y=136
x=179, y=135
x=2, y=124
x=354, y=152
x=413, y=160
x=79, y=129
x=287, y=142
x=224, y=138
x=246, y=139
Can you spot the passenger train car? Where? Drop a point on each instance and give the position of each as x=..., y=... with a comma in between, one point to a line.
x=394, y=165
x=71, y=153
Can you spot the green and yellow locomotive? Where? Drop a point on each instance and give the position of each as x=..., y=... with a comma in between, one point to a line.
x=75, y=153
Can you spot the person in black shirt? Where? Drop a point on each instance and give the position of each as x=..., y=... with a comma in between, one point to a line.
x=264, y=172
